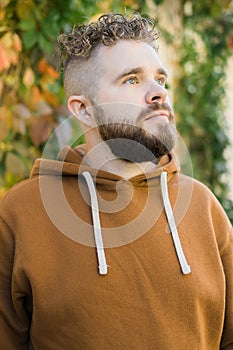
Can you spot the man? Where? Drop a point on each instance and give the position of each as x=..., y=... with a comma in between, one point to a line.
x=110, y=247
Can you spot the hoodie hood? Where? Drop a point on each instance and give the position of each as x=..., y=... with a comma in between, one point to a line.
x=70, y=162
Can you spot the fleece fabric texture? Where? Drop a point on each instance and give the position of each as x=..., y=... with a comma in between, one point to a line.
x=51, y=294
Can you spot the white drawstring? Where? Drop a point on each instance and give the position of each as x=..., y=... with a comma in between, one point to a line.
x=171, y=222
x=103, y=267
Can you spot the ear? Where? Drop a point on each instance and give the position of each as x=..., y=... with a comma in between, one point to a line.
x=78, y=106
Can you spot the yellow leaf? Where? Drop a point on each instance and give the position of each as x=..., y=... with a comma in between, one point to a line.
x=7, y=40
x=23, y=8
x=5, y=147
x=3, y=191
x=9, y=48
x=3, y=129
x=132, y=3
x=104, y=6
x=11, y=98
x=13, y=55
x=4, y=3
x=98, y=15
x=17, y=42
x=1, y=87
x=29, y=77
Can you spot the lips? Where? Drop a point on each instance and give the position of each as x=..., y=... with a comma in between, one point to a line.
x=159, y=113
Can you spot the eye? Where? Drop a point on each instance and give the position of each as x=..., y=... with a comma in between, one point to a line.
x=161, y=81
x=131, y=81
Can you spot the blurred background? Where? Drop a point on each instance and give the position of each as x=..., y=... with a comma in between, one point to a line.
x=196, y=46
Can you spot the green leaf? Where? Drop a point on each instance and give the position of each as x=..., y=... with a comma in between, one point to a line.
x=50, y=29
x=27, y=25
x=29, y=39
x=44, y=43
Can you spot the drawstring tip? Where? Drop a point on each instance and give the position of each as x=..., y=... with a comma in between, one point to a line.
x=103, y=270
x=186, y=269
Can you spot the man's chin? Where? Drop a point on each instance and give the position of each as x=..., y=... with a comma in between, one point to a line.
x=134, y=152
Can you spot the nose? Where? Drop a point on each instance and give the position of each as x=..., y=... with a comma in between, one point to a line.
x=156, y=93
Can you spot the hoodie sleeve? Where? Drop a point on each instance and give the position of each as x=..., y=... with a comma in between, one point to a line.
x=14, y=323
x=227, y=258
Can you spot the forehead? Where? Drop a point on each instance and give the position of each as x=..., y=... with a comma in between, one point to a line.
x=128, y=54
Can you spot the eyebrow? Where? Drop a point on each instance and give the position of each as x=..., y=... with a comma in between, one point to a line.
x=125, y=73
x=162, y=71
x=138, y=70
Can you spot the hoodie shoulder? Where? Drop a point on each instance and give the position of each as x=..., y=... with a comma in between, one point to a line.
x=18, y=191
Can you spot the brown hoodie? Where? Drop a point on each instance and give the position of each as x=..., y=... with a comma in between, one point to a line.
x=155, y=272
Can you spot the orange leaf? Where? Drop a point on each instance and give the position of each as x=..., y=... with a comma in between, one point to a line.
x=51, y=98
x=45, y=68
x=36, y=95
x=4, y=59
x=52, y=72
x=42, y=65
x=2, y=14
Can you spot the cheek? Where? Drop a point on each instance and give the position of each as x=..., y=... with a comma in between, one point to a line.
x=127, y=95
x=107, y=96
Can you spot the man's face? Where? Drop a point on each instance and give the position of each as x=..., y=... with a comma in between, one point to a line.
x=132, y=108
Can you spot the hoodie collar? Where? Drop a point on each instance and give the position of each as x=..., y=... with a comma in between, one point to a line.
x=70, y=162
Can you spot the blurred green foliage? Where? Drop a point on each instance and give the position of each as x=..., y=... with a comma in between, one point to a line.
x=200, y=101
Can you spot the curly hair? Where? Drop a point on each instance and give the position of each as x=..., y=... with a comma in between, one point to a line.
x=106, y=30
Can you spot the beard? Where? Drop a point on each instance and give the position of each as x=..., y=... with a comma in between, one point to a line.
x=131, y=142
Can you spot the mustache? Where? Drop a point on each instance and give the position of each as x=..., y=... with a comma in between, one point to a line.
x=156, y=106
